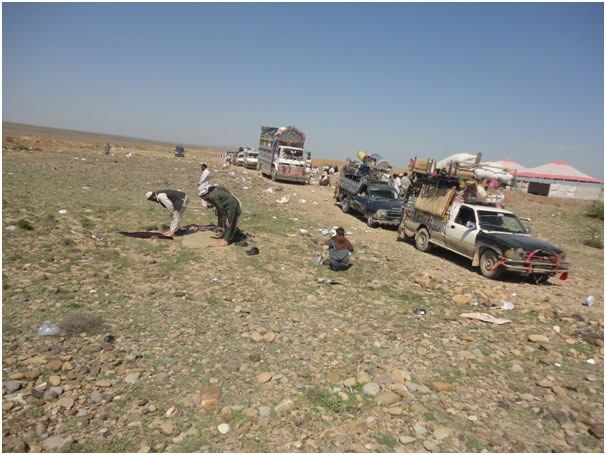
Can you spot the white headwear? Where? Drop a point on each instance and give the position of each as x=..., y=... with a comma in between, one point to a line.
x=149, y=194
x=203, y=191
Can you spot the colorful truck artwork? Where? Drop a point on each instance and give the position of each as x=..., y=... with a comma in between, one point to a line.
x=281, y=154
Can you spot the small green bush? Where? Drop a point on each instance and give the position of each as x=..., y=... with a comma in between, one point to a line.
x=24, y=224
x=78, y=322
x=594, y=238
x=596, y=210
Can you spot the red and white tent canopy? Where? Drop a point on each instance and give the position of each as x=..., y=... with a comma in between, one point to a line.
x=558, y=170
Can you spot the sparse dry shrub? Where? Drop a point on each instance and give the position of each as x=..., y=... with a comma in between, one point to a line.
x=78, y=322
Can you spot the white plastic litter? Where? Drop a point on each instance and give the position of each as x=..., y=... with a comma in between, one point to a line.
x=62, y=212
x=244, y=187
x=506, y=305
x=48, y=330
x=590, y=301
x=302, y=201
x=11, y=228
x=591, y=361
x=283, y=200
x=270, y=189
x=303, y=231
x=223, y=428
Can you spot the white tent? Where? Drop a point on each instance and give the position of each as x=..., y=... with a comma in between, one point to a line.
x=566, y=181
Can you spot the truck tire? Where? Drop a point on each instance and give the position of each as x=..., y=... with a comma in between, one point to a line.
x=487, y=260
x=422, y=240
x=370, y=220
x=345, y=207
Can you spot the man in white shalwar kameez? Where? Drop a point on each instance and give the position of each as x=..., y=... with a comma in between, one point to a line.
x=204, y=182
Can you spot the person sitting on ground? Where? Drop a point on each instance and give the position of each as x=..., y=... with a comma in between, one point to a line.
x=325, y=179
x=175, y=202
x=339, y=249
x=228, y=206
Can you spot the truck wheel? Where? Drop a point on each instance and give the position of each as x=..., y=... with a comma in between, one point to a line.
x=487, y=261
x=345, y=205
x=274, y=175
x=370, y=221
x=422, y=240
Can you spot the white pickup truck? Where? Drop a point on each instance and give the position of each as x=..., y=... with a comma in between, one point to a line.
x=493, y=238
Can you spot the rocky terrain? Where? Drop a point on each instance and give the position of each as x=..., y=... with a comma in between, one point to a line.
x=177, y=346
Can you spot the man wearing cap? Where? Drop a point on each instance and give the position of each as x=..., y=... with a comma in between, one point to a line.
x=227, y=205
x=175, y=202
x=204, y=181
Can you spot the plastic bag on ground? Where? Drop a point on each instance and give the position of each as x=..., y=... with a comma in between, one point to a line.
x=48, y=330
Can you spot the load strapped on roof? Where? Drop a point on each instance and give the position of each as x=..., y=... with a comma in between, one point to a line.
x=461, y=166
x=371, y=167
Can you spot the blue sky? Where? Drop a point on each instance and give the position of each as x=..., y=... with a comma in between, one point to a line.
x=517, y=80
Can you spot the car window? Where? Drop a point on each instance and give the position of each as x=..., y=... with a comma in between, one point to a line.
x=465, y=214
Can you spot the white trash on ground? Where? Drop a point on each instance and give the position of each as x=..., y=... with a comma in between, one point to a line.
x=48, y=329
x=63, y=212
x=506, y=305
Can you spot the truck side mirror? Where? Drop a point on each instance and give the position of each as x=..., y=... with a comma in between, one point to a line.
x=470, y=225
x=528, y=229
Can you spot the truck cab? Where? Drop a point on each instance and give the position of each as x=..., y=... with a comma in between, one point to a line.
x=375, y=200
x=251, y=158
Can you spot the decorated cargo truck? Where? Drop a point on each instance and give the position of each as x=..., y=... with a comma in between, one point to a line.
x=281, y=154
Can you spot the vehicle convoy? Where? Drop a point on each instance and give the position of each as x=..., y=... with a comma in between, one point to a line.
x=443, y=214
x=251, y=158
x=361, y=188
x=281, y=154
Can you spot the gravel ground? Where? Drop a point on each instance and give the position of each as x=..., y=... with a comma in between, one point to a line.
x=173, y=348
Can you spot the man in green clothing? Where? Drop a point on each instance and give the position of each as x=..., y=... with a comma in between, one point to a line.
x=227, y=205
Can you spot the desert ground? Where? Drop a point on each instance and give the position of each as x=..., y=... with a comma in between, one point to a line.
x=182, y=346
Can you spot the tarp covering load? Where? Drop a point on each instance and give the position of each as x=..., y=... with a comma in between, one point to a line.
x=434, y=200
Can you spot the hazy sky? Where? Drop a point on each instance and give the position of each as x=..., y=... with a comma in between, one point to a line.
x=517, y=80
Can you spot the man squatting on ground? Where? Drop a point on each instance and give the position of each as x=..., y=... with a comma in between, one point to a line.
x=227, y=205
x=338, y=250
x=175, y=202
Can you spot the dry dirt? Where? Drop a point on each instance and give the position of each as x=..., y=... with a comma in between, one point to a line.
x=213, y=350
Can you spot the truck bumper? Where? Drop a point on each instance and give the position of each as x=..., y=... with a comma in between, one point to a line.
x=292, y=178
x=549, y=266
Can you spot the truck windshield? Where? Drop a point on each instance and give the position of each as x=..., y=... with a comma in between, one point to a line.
x=499, y=221
x=292, y=154
x=383, y=194
x=253, y=155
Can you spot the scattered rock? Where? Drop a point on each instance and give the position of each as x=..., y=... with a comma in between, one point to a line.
x=538, y=338
x=209, y=397
x=386, y=398
x=371, y=388
x=441, y=433
x=12, y=386
x=132, y=378
x=284, y=407
x=441, y=386
x=264, y=377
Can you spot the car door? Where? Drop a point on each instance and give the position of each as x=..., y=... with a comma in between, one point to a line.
x=461, y=236
x=359, y=200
